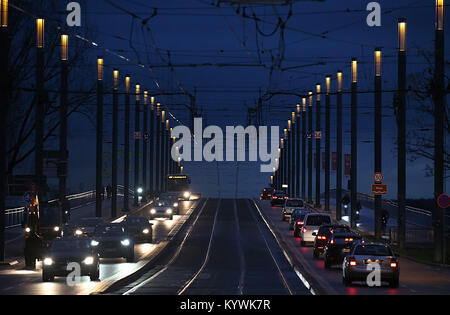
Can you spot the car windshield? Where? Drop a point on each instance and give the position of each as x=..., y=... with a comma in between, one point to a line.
x=70, y=245
x=136, y=220
x=294, y=203
x=112, y=229
x=340, y=229
x=318, y=220
x=373, y=250
x=162, y=203
x=298, y=213
x=90, y=222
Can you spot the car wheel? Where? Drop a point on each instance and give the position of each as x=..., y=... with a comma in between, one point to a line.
x=347, y=282
x=130, y=258
x=315, y=254
x=394, y=283
x=47, y=277
x=95, y=276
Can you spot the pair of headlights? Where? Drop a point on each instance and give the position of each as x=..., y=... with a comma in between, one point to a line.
x=87, y=261
x=125, y=242
x=56, y=229
x=168, y=211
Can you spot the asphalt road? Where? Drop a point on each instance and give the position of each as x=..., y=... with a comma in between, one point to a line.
x=29, y=282
x=227, y=250
x=415, y=278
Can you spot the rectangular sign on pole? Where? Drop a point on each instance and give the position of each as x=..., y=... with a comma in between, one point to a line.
x=379, y=189
x=348, y=164
x=334, y=161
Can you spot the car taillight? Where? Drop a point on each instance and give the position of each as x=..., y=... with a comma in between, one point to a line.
x=274, y=197
x=305, y=230
x=353, y=262
x=324, y=238
x=286, y=197
x=394, y=263
x=299, y=223
x=332, y=242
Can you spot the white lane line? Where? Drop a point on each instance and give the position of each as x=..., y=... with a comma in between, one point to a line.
x=240, y=250
x=140, y=285
x=207, y=253
x=297, y=272
x=270, y=251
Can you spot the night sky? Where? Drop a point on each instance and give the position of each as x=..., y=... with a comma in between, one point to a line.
x=194, y=32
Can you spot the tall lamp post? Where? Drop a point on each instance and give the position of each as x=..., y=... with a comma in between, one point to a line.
x=327, y=143
x=40, y=110
x=115, y=142
x=62, y=169
x=298, y=156
x=126, y=171
x=99, y=191
x=439, y=132
x=137, y=136
x=378, y=138
x=304, y=148
x=152, y=147
x=354, y=142
x=318, y=143
x=145, y=146
x=339, y=148
x=4, y=110
x=158, y=148
x=401, y=133
x=310, y=151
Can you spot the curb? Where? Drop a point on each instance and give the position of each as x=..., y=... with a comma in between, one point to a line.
x=145, y=268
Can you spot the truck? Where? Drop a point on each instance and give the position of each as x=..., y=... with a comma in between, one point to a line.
x=179, y=183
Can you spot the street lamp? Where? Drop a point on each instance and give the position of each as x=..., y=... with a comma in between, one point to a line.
x=440, y=15
x=4, y=13
x=339, y=81
x=145, y=97
x=310, y=98
x=127, y=84
x=40, y=28
x=64, y=47
x=304, y=104
x=378, y=62
x=138, y=92
x=100, y=68
x=289, y=125
x=328, y=83
x=402, y=34
x=354, y=70
x=318, y=90
x=116, y=79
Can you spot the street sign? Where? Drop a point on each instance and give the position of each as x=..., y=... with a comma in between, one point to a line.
x=378, y=178
x=443, y=201
x=318, y=135
x=137, y=135
x=379, y=189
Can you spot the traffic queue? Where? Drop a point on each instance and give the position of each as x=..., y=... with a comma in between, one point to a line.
x=336, y=243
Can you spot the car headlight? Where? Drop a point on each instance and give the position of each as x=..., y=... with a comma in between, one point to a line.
x=153, y=211
x=169, y=211
x=28, y=230
x=140, y=190
x=48, y=261
x=125, y=242
x=78, y=232
x=56, y=228
x=175, y=204
x=187, y=194
x=146, y=231
x=94, y=243
x=88, y=261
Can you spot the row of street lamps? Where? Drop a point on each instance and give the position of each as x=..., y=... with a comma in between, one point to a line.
x=294, y=153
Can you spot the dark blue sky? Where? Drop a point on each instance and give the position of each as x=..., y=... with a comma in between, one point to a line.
x=195, y=32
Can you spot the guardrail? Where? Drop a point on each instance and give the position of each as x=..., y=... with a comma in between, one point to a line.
x=14, y=216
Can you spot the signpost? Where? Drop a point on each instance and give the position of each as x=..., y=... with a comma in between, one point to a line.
x=378, y=178
x=379, y=189
x=443, y=201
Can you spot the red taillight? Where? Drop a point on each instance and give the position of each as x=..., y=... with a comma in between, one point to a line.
x=332, y=242
x=286, y=197
x=274, y=197
x=305, y=230
x=353, y=262
x=324, y=238
x=299, y=223
x=394, y=263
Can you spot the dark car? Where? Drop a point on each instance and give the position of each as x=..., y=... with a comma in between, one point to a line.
x=162, y=209
x=278, y=199
x=339, y=247
x=112, y=241
x=139, y=229
x=174, y=198
x=65, y=251
x=298, y=224
x=297, y=215
x=266, y=194
x=324, y=235
x=86, y=227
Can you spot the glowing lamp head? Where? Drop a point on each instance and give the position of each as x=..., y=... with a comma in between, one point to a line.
x=4, y=13
x=402, y=35
x=378, y=62
x=64, y=47
x=100, y=68
x=339, y=81
x=354, y=70
x=116, y=79
x=440, y=15
x=40, y=32
x=127, y=84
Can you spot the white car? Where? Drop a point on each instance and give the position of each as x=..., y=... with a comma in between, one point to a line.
x=311, y=225
x=290, y=205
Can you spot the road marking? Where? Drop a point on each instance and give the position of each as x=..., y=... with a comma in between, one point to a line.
x=134, y=289
x=207, y=253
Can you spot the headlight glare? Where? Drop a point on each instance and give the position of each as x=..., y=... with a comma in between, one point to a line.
x=94, y=243
x=48, y=261
x=125, y=242
x=88, y=261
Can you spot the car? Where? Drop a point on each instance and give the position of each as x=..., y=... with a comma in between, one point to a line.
x=266, y=194
x=162, y=209
x=174, y=198
x=297, y=215
x=86, y=227
x=312, y=223
x=323, y=236
x=64, y=251
x=139, y=229
x=356, y=265
x=290, y=205
x=278, y=199
x=338, y=247
x=112, y=241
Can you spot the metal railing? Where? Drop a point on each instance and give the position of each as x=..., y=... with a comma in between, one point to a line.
x=14, y=216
